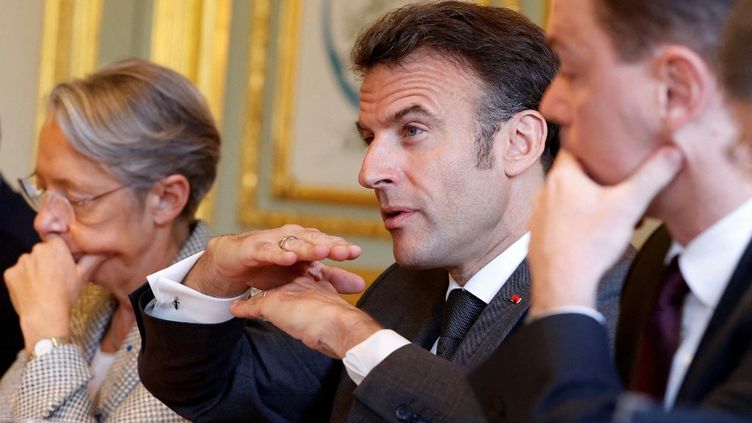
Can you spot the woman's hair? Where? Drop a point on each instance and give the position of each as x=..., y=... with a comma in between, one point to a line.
x=142, y=122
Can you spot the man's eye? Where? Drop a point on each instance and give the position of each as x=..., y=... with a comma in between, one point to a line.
x=412, y=131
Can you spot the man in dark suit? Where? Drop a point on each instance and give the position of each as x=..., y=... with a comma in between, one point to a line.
x=456, y=151
x=17, y=236
x=647, y=132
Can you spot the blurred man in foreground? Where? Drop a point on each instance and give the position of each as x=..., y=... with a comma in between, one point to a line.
x=645, y=132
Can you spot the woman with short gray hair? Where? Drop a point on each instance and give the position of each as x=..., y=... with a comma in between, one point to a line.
x=125, y=156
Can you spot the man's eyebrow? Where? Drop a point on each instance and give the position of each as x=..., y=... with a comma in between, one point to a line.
x=399, y=115
x=360, y=127
x=409, y=110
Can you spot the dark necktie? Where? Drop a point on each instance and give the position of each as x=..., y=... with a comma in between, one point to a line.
x=661, y=335
x=460, y=312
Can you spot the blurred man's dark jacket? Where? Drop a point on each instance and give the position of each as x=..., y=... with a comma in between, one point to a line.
x=17, y=236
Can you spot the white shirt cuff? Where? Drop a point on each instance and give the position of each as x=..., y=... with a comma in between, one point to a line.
x=178, y=303
x=362, y=358
x=587, y=311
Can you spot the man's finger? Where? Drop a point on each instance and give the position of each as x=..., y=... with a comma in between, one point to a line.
x=87, y=264
x=651, y=177
x=256, y=252
x=565, y=163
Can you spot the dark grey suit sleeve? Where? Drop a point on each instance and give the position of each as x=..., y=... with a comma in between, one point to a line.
x=414, y=385
x=232, y=371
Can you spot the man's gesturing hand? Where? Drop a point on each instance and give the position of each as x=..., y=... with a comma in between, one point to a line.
x=232, y=263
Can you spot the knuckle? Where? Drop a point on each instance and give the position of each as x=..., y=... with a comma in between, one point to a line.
x=291, y=227
x=338, y=240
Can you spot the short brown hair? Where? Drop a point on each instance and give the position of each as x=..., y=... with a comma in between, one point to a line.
x=505, y=50
x=637, y=27
x=736, y=55
x=142, y=122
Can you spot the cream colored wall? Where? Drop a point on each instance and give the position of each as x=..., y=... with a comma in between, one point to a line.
x=20, y=38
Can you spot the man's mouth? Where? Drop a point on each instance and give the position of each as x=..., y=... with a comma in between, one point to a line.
x=394, y=217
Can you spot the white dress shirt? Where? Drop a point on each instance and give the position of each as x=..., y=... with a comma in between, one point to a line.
x=362, y=358
x=707, y=264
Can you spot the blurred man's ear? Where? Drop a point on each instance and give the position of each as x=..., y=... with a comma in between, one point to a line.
x=168, y=198
x=525, y=136
x=685, y=79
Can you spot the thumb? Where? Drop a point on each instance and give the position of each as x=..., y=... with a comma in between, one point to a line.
x=343, y=281
x=651, y=177
x=87, y=264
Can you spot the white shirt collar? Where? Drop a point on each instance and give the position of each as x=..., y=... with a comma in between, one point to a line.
x=708, y=261
x=489, y=279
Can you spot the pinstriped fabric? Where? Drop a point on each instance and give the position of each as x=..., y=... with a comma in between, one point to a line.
x=496, y=321
x=54, y=386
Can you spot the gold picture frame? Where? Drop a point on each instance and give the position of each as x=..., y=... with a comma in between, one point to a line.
x=261, y=49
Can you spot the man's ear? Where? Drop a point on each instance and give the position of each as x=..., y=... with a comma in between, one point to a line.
x=685, y=79
x=168, y=198
x=526, y=134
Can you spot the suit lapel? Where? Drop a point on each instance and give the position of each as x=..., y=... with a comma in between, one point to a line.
x=716, y=352
x=122, y=376
x=639, y=295
x=89, y=322
x=90, y=318
x=497, y=320
x=418, y=316
x=719, y=346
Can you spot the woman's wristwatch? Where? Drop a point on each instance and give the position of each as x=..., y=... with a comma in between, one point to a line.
x=45, y=345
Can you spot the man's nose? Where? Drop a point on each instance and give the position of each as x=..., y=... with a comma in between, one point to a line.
x=379, y=165
x=554, y=106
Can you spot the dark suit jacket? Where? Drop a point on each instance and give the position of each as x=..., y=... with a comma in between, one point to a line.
x=215, y=373
x=567, y=375
x=17, y=236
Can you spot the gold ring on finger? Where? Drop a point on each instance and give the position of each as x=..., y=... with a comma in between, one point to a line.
x=284, y=240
